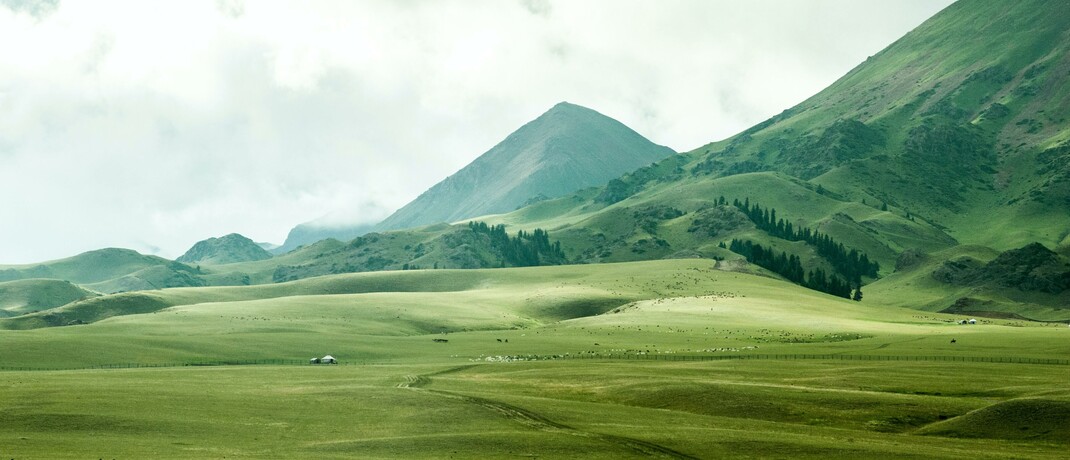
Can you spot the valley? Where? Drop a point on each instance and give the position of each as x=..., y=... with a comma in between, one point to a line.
x=670, y=358
x=881, y=271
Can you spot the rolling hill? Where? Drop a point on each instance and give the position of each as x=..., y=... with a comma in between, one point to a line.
x=716, y=352
x=628, y=359
x=26, y=296
x=112, y=270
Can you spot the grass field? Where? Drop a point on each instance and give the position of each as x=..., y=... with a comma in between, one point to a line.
x=615, y=360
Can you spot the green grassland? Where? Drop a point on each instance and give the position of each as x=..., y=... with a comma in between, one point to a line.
x=666, y=358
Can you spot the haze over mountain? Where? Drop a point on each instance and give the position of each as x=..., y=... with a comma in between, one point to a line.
x=311, y=232
x=567, y=148
x=928, y=166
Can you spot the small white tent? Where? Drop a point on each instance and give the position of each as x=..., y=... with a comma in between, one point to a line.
x=328, y=360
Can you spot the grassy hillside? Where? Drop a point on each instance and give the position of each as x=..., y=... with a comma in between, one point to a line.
x=601, y=290
x=419, y=303
x=438, y=247
x=27, y=296
x=548, y=361
x=89, y=267
x=921, y=282
x=109, y=270
x=957, y=123
x=952, y=136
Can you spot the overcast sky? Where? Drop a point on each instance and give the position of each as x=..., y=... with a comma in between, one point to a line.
x=152, y=125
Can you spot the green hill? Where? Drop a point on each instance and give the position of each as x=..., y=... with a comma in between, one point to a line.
x=113, y=270
x=26, y=296
x=1028, y=418
x=87, y=268
x=958, y=123
x=227, y=249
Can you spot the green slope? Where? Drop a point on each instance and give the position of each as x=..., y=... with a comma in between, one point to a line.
x=961, y=122
x=813, y=376
x=601, y=291
x=26, y=296
x=953, y=135
x=112, y=270
x=657, y=303
x=89, y=267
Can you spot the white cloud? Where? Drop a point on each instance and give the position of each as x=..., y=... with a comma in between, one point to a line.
x=143, y=124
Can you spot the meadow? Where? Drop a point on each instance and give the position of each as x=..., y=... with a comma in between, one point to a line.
x=666, y=359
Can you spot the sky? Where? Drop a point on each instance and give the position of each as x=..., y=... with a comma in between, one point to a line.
x=151, y=125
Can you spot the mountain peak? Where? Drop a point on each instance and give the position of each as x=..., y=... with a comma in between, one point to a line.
x=567, y=106
x=572, y=110
x=568, y=148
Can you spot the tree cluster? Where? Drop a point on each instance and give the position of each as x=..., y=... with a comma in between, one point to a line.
x=851, y=264
x=523, y=250
x=790, y=267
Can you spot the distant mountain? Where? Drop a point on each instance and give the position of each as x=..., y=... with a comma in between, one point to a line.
x=311, y=232
x=268, y=246
x=565, y=149
x=224, y=250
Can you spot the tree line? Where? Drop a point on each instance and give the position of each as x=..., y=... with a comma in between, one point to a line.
x=851, y=264
x=790, y=267
x=523, y=250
